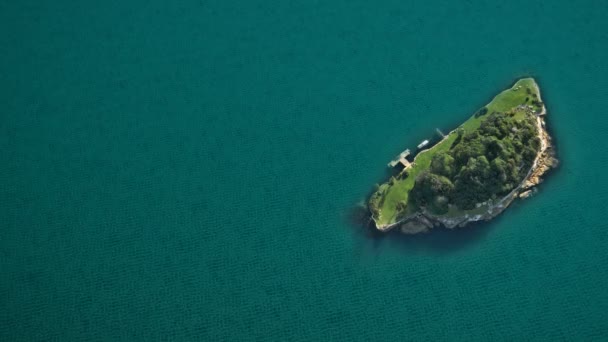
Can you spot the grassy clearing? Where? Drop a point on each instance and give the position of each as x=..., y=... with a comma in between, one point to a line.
x=390, y=194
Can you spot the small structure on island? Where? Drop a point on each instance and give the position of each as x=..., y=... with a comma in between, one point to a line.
x=400, y=160
x=423, y=144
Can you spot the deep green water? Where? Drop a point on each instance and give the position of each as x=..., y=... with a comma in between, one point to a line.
x=185, y=171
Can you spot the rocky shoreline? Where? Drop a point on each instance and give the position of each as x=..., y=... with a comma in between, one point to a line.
x=545, y=160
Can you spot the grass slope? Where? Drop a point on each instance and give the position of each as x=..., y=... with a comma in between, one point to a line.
x=390, y=194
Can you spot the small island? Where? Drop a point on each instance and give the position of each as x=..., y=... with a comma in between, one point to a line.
x=474, y=172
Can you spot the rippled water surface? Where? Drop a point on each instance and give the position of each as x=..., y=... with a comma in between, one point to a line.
x=185, y=170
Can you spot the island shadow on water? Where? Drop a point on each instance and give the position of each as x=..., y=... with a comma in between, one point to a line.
x=438, y=240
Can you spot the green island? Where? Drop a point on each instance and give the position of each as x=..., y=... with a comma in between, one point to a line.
x=474, y=172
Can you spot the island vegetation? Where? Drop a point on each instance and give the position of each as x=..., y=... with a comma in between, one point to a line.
x=473, y=169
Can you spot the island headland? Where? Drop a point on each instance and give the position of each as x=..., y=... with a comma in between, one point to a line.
x=499, y=154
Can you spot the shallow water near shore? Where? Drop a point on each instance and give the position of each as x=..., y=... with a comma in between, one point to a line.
x=187, y=171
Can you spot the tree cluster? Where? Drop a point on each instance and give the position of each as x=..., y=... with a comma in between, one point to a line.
x=484, y=164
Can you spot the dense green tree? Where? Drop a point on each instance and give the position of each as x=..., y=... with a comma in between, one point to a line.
x=460, y=133
x=481, y=112
x=432, y=190
x=443, y=164
x=468, y=149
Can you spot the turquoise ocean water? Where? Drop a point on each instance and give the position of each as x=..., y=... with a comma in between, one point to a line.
x=184, y=170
